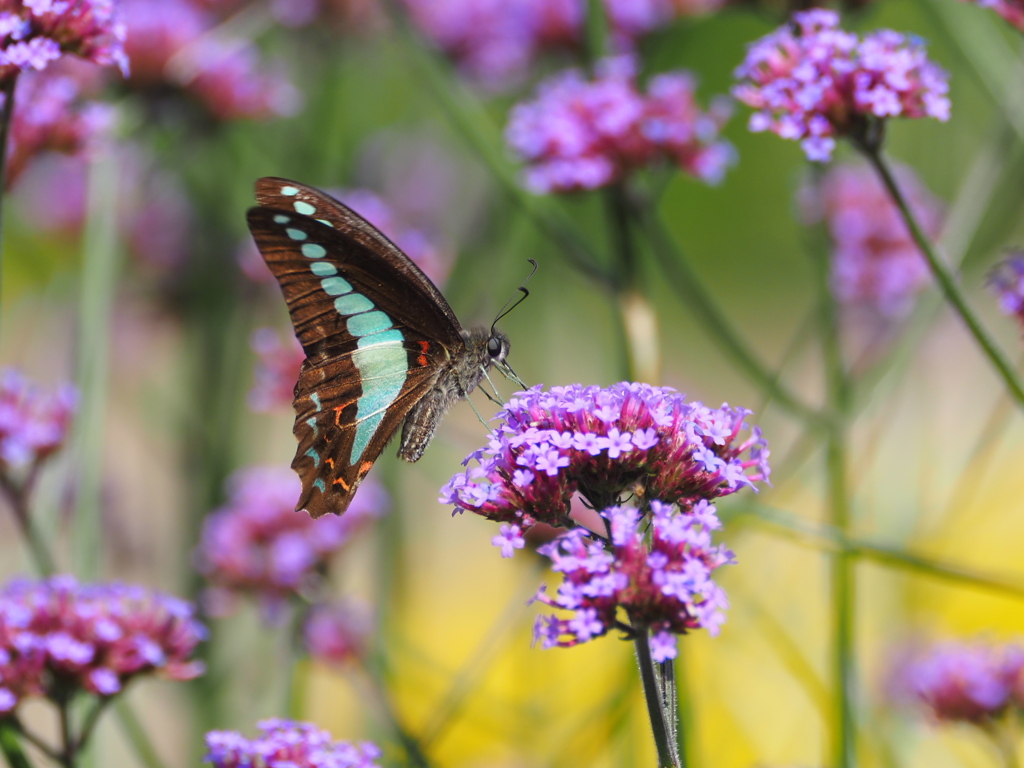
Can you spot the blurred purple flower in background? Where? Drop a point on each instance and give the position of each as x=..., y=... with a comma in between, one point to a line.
x=33, y=424
x=338, y=633
x=154, y=214
x=811, y=81
x=58, y=636
x=663, y=586
x=280, y=356
x=258, y=544
x=52, y=115
x=603, y=443
x=1007, y=282
x=495, y=42
x=970, y=682
x=34, y=34
x=177, y=43
x=1011, y=10
x=583, y=134
x=287, y=744
x=875, y=261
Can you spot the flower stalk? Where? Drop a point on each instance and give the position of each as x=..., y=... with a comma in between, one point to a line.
x=944, y=276
x=663, y=717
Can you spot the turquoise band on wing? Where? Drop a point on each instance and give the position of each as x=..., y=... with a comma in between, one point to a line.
x=380, y=355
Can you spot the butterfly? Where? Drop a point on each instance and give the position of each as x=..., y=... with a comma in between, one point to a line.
x=383, y=347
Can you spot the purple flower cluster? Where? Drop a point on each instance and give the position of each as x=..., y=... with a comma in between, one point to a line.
x=663, y=585
x=812, y=81
x=603, y=444
x=974, y=682
x=58, y=635
x=875, y=261
x=34, y=33
x=1007, y=282
x=583, y=134
x=174, y=43
x=1011, y=10
x=52, y=115
x=33, y=424
x=496, y=41
x=287, y=744
x=259, y=544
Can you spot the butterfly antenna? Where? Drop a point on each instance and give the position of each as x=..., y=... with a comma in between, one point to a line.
x=521, y=289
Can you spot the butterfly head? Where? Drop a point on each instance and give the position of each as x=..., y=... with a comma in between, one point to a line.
x=497, y=348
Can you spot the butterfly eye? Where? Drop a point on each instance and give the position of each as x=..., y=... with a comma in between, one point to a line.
x=494, y=346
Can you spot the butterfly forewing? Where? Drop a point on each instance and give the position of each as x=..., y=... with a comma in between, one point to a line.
x=376, y=342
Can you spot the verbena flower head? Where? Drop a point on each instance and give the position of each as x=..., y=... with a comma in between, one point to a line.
x=605, y=444
x=52, y=115
x=1007, y=282
x=811, y=82
x=58, y=636
x=337, y=633
x=33, y=423
x=583, y=134
x=970, y=682
x=1011, y=10
x=287, y=744
x=34, y=33
x=875, y=261
x=662, y=584
x=173, y=46
x=258, y=544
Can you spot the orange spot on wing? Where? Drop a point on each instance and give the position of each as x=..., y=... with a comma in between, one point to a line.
x=337, y=415
x=365, y=467
x=425, y=346
x=422, y=361
x=330, y=462
x=341, y=481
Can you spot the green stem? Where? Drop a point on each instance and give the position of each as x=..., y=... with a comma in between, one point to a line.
x=7, y=92
x=412, y=746
x=715, y=322
x=662, y=721
x=137, y=736
x=17, y=498
x=836, y=467
x=68, y=754
x=10, y=745
x=945, y=278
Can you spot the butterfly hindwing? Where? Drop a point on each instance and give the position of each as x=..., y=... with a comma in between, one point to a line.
x=338, y=441
x=376, y=342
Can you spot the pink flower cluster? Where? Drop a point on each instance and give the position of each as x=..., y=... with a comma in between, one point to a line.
x=174, y=43
x=259, y=544
x=1007, y=282
x=663, y=587
x=973, y=682
x=52, y=115
x=875, y=261
x=496, y=41
x=33, y=424
x=415, y=243
x=812, y=82
x=583, y=134
x=57, y=635
x=1011, y=10
x=34, y=33
x=605, y=443
x=287, y=744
